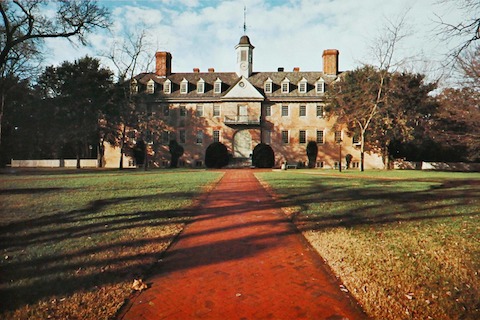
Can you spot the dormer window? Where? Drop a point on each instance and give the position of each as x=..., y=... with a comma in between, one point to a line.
x=268, y=85
x=217, y=86
x=201, y=86
x=320, y=86
x=150, y=86
x=302, y=86
x=167, y=86
x=184, y=86
x=285, y=85
x=133, y=86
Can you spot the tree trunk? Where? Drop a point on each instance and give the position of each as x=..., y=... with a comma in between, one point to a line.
x=362, y=151
x=122, y=144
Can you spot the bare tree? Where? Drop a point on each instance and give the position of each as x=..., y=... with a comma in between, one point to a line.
x=468, y=30
x=469, y=67
x=358, y=97
x=130, y=56
x=25, y=25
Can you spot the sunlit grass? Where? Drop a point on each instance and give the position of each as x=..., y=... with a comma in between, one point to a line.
x=405, y=243
x=73, y=243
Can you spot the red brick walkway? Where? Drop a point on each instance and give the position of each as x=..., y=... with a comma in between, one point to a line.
x=241, y=259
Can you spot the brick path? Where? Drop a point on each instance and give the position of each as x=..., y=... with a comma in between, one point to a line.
x=241, y=259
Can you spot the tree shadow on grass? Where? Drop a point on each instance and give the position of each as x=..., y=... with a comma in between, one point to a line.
x=62, y=271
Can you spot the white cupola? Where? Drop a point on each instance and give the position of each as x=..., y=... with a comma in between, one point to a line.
x=244, y=51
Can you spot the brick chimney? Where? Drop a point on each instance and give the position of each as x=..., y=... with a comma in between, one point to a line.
x=196, y=70
x=330, y=61
x=163, y=65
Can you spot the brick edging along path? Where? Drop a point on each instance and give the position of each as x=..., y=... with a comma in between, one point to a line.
x=241, y=258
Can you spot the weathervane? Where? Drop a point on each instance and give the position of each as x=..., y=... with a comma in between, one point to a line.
x=245, y=19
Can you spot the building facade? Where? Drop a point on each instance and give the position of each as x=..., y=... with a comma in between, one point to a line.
x=285, y=109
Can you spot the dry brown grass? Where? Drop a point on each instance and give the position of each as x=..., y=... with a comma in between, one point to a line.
x=73, y=244
x=407, y=247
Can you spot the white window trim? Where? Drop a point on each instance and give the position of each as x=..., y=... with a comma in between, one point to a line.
x=304, y=83
x=184, y=86
x=219, y=110
x=323, y=136
x=300, y=109
x=288, y=136
x=285, y=82
x=268, y=86
x=167, y=86
x=150, y=87
x=320, y=86
x=323, y=110
x=134, y=86
x=201, y=86
x=217, y=86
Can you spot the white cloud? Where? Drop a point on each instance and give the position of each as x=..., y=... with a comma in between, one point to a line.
x=290, y=34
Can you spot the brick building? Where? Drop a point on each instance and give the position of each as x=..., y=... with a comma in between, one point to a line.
x=284, y=109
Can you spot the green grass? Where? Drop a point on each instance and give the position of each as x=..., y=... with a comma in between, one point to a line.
x=405, y=243
x=72, y=243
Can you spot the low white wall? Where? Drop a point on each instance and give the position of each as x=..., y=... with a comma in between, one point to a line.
x=441, y=166
x=54, y=163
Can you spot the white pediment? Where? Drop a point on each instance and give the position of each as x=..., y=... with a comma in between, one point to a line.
x=243, y=89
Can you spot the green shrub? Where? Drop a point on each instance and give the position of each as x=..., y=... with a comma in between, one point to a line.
x=263, y=156
x=216, y=155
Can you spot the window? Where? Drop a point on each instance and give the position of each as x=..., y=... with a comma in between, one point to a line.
x=165, y=137
x=268, y=111
x=303, y=111
x=268, y=85
x=184, y=86
x=243, y=55
x=320, y=86
x=320, y=136
x=150, y=86
x=167, y=86
x=356, y=139
x=201, y=86
x=199, y=111
x=320, y=111
x=199, y=139
x=302, y=137
x=217, y=86
x=183, y=111
x=166, y=110
x=302, y=86
x=267, y=136
x=285, y=85
x=182, y=136
x=338, y=136
x=284, y=111
x=285, y=136
x=216, y=136
x=216, y=111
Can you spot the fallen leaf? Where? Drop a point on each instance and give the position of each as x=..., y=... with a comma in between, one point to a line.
x=139, y=285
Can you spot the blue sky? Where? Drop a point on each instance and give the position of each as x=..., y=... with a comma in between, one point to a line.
x=294, y=33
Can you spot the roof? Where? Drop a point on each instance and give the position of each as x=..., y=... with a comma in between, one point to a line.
x=229, y=79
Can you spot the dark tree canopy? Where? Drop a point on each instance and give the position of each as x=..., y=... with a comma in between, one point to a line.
x=76, y=95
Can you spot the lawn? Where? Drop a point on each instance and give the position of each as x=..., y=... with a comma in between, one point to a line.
x=73, y=242
x=405, y=243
